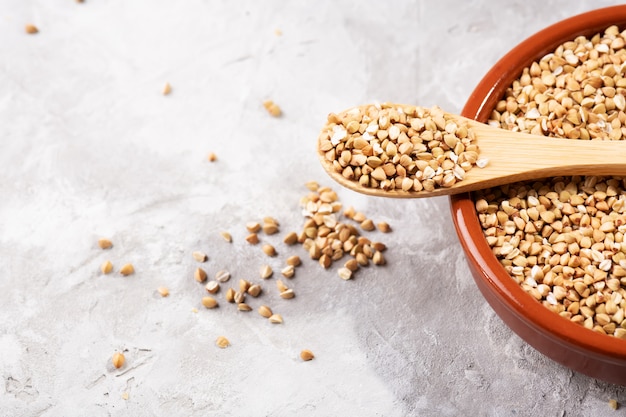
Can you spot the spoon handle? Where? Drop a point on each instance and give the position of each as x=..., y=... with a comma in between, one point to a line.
x=513, y=156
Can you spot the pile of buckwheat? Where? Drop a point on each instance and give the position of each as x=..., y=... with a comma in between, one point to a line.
x=329, y=234
x=562, y=239
x=395, y=147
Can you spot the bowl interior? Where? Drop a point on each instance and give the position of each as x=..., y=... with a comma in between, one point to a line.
x=479, y=106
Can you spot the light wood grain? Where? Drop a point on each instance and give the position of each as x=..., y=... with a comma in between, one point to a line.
x=516, y=157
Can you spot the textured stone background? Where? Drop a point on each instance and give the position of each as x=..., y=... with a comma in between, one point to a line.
x=91, y=148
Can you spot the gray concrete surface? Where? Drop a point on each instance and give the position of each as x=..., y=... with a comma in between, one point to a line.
x=91, y=148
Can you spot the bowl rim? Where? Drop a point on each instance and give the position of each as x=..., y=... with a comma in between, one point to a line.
x=479, y=106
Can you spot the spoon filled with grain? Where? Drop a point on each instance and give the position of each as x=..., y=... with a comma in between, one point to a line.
x=394, y=150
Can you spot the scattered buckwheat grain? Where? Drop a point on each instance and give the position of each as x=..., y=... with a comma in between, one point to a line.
x=127, y=269
x=272, y=108
x=105, y=243
x=106, y=267
x=226, y=236
x=306, y=355
x=118, y=360
x=222, y=342
x=200, y=256
x=200, y=275
x=209, y=302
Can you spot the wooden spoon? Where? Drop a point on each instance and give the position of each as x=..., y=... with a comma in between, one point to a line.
x=510, y=157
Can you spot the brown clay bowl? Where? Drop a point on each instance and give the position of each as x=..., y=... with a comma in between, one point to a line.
x=570, y=344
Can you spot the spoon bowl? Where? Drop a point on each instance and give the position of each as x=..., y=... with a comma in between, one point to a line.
x=507, y=156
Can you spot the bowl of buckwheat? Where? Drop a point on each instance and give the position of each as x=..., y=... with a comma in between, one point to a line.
x=549, y=256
